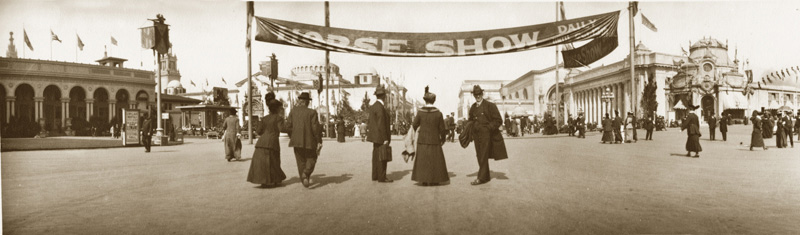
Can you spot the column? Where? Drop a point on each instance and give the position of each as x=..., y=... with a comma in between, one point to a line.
x=112, y=104
x=37, y=108
x=9, y=107
x=132, y=104
x=64, y=112
x=89, y=108
x=627, y=106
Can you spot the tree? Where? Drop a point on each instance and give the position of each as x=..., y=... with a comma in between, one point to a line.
x=649, y=103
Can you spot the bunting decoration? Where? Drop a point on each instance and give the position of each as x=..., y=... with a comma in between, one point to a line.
x=469, y=43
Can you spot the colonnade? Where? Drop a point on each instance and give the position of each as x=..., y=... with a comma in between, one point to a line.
x=590, y=101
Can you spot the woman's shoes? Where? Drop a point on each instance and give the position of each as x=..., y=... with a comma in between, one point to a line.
x=478, y=182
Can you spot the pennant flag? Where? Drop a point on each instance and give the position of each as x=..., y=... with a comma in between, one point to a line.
x=192, y=82
x=223, y=81
x=148, y=37
x=113, y=41
x=436, y=44
x=782, y=74
x=54, y=37
x=634, y=7
x=206, y=82
x=759, y=85
x=646, y=22
x=80, y=43
x=27, y=41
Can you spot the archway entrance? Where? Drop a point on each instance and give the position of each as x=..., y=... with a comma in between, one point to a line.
x=122, y=98
x=77, y=103
x=51, y=110
x=100, y=107
x=142, y=99
x=24, y=103
x=708, y=105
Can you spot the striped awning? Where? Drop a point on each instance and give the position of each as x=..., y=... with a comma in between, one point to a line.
x=734, y=100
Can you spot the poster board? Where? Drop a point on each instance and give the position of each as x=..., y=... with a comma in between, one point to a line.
x=130, y=127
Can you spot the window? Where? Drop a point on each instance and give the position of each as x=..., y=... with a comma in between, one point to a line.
x=525, y=93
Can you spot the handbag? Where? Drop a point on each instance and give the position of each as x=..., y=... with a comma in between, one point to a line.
x=385, y=153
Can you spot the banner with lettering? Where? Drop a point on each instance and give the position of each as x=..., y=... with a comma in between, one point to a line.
x=436, y=44
x=591, y=52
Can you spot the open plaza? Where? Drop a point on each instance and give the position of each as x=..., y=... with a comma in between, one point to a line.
x=549, y=185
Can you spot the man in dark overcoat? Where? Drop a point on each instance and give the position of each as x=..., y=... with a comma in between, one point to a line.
x=788, y=126
x=147, y=132
x=571, y=125
x=379, y=134
x=617, y=125
x=712, y=126
x=723, y=126
x=231, y=127
x=581, y=124
x=486, y=134
x=451, y=127
x=305, y=136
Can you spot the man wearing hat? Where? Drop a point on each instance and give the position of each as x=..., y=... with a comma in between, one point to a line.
x=581, y=123
x=231, y=127
x=378, y=133
x=147, y=132
x=712, y=125
x=305, y=136
x=788, y=126
x=489, y=142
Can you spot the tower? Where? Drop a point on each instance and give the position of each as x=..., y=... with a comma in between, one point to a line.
x=170, y=75
x=12, y=50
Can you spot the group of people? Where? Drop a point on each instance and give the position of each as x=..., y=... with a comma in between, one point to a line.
x=619, y=130
x=766, y=126
x=431, y=128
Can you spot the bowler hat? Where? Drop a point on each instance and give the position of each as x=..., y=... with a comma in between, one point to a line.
x=476, y=90
x=269, y=96
x=304, y=96
x=380, y=90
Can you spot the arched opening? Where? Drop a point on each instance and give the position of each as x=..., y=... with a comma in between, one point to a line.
x=24, y=103
x=100, y=112
x=142, y=101
x=77, y=103
x=51, y=110
x=122, y=98
x=525, y=93
x=708, y=105
x=3, y=114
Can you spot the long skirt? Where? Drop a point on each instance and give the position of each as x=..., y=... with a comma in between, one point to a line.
x=756, y=139
x=430, y=166
x=265, y=167
x=617, y=135
x=693, y=143
x=780, y=139
x=608, y=136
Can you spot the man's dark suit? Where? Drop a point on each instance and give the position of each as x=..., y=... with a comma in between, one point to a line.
x=788, y=129
x=378, y=126
x=305, y=135
x=147, y=133
x=486, y=133
x=712, y=127
x=723, y=127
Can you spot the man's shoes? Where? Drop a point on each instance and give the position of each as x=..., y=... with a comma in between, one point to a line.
x=147, y=151
x=306, y=181
x=697, y=156
x=478, y=182
x=385, y=181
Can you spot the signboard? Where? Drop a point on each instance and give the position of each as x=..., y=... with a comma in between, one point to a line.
x=130, y=127
x=164, y=115
x=438, y=44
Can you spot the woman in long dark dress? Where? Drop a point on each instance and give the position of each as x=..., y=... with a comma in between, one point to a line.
x=430, y=167
x=340, y=130
x=692, y=125
x=608, y=130
x=766, y=126
x=265, y=167
x=756, y=138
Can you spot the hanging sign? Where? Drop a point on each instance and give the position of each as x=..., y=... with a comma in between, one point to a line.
x=436, y=44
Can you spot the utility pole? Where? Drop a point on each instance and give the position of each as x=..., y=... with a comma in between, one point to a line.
x=327, y=73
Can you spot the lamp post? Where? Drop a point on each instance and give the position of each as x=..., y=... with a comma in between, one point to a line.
x=607, y=97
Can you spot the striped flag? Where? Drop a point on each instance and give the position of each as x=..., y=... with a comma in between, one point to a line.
x=80, y=43
x=27, y=41
x=648, y=24
x=54, y=37
x=113, y=40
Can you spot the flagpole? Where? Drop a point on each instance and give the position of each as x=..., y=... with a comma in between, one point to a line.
x=327, y=72
x=632, y=42
x=249, y=78
x=558, y=95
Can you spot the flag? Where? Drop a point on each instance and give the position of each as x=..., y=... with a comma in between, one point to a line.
x=54, y=37
x=148, y=37
x=634, y=7
x=223, y=81
x=319, y=88
x=206, y=82
x=27, y=41
x=192, y=82
x=648, y=24
x=759, y=85
x=113, y=41
x=80, y=43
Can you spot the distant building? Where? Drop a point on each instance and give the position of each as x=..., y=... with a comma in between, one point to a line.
x=491, y=92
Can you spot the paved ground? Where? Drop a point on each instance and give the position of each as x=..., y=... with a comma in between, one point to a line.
x=550, y=185
x=57, y=143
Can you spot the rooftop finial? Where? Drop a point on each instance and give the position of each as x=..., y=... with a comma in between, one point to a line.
x=105, y=51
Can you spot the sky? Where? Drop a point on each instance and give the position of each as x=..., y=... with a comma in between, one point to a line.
x=209, y=36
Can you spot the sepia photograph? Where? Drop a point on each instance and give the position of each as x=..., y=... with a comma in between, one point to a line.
x=399, y=117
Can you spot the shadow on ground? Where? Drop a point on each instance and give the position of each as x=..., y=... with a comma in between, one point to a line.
x=492, y=175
